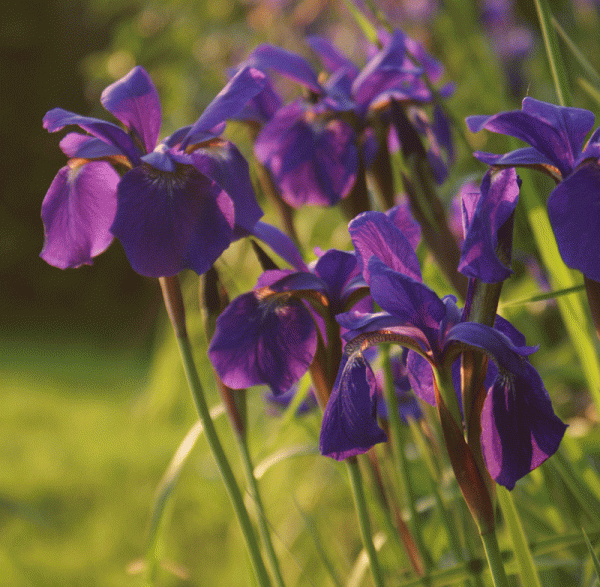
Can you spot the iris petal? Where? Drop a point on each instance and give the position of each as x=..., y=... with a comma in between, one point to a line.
x=519, y=427
x=350, y=420
x=77, y=211
x=574, y=210
x=256, y=341
x=134, y=101
x=167, y=222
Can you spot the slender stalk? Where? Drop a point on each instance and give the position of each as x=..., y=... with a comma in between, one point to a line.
x=263, y=526
x=174, y=303
x=492, y=552
x=401, y=468
x=363, y=519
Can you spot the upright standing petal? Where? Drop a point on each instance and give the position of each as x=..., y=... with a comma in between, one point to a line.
x=134, y=101
x=497, y=203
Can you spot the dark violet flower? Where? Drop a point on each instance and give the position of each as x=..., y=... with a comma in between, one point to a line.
x=313, y=146
x=520, y=428
x=485, y=213
x=178, y=204
x=270, y=335
x=556, y=135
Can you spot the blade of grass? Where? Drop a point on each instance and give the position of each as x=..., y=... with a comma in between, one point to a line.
x=579, y=56
x=543, y=296
x=557, y=69
x=592, y=554
x=525, y=562
x=167, y=485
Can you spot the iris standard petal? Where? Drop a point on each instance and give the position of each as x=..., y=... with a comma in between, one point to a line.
x=280, y=243
x=497, y=202
x=331, y=57
x=77, y=211
x=350, y=421
x=227, y=104
x=519, y=427
x=290, y=65
x=574, y=211
x=167, y=222
x=258, y=340
x=374, y=234
x=133, y=100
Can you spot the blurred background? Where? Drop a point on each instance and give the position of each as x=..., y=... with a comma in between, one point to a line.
x=93, y=404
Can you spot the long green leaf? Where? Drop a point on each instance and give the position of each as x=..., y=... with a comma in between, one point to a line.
x=557, y=69
x=592, y=554
x=527, y=568
x=579, y=56
x=544, y=296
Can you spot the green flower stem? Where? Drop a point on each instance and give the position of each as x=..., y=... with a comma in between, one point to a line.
x=363, y=518
x=492, y=552
x=263, y=526
x=401, y=468
x=175, y=308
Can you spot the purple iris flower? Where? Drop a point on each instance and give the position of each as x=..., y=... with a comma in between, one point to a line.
x=520, y=429
x=311, y=145
x=557, y=138
x=178, y=204
x=270, y=335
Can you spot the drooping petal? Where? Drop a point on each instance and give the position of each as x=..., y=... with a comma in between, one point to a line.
x=263, y=341
x=167, y=222
x=420, y=376
x=226, y=166
x=519, y=427
x=227, y=104
x=525, y=157
x=57, y=118
x=491, y=341
x=350, y=420
x=77, y=211
x=312, y=161
x=133, y=100
x=574, y=211
x=479, y=253
x=374, y=234
x=554, y=131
